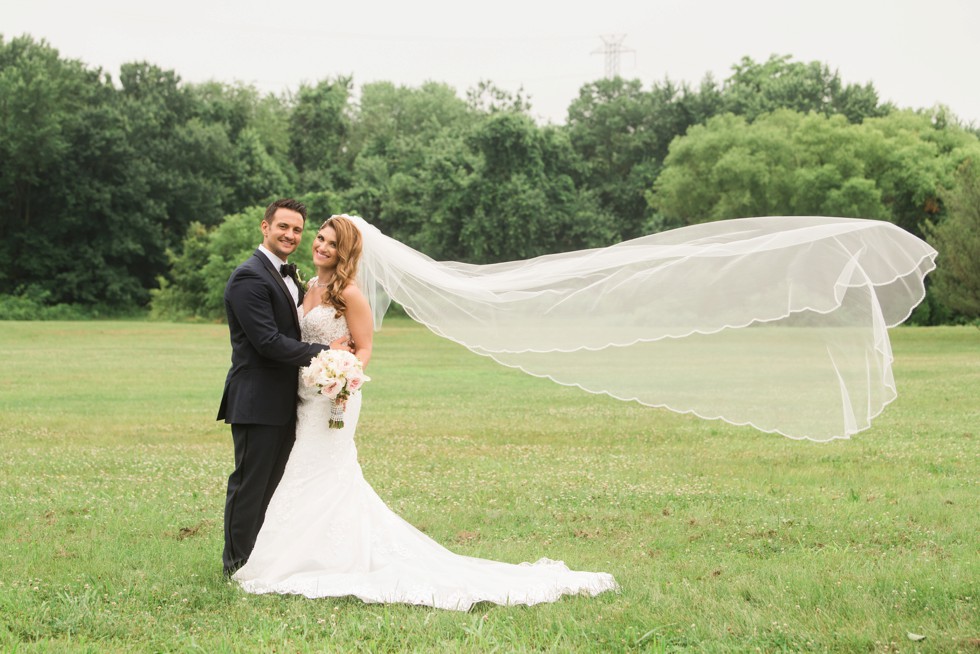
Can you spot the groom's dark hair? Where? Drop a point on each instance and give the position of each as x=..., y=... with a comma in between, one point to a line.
x=285, y=203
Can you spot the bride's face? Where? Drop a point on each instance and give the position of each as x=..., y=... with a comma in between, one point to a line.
x=325, y=248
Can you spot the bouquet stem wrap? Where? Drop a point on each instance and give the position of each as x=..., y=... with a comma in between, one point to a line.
x=337, y=408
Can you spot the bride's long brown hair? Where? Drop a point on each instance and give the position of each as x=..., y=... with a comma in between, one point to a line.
x=348, y=255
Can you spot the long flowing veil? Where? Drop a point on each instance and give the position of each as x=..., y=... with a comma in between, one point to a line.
x=777, y=322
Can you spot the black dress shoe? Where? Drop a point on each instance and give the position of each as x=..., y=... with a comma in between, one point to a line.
x=232, y=569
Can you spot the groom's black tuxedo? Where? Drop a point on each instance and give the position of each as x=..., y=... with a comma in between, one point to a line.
x=259, y=399
x=265, y=347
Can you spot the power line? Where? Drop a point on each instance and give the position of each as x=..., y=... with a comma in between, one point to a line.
x=612, y=47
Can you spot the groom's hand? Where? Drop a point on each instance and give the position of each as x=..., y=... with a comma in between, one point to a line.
x=343, y=343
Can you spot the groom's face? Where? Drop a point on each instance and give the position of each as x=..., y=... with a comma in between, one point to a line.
x=282, y=234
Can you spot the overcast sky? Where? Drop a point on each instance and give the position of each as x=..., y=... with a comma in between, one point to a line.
x=917, y=53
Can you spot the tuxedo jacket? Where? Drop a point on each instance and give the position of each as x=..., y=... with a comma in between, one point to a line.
x=266, y=350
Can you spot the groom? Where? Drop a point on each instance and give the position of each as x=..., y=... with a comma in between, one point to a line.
x=259, y=399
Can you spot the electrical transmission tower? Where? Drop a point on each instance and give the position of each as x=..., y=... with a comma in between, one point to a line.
x=612, y=47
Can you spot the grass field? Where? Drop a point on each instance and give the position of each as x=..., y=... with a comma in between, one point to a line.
x=724, y=539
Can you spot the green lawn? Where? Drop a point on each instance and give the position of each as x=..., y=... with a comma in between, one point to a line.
x=112, y=474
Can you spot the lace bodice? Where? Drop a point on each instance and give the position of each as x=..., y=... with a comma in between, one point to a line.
x=321, y=325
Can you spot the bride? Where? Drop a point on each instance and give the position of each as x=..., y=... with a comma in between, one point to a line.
x=326, y=532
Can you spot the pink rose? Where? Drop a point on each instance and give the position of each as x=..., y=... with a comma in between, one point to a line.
x=331, y=388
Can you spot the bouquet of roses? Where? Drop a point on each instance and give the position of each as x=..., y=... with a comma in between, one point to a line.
x=338, y=374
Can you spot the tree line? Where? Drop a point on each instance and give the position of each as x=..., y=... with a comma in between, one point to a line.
x=119, y=194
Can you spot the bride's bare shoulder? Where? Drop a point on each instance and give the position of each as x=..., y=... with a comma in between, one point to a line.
x=352, y=292
x=357, y=303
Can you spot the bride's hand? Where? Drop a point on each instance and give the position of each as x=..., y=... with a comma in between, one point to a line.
x=343, y=343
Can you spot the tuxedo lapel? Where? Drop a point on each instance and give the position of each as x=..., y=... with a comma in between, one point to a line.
x=277, y=276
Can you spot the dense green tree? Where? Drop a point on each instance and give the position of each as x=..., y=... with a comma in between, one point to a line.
x=115, y=245
x=447, y=175
x=115, y=175
x=386, y=113
x=258, y=176
x=957, y=238
x=622, y=133
x=480, y=188
x=787, y=163
x=319, y=129
x=916, y=157
x=34, y=86
x=397, y=130
x=202, y=151
x=184, y=163
x=258, y=128
x=234, y=106
x=411, y=162
x=185, y=292
x=780, y=83
x=521, y=199
x=72, y=229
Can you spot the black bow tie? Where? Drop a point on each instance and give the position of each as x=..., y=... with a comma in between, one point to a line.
x=288, y=270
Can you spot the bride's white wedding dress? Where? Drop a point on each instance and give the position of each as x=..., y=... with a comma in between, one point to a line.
x=328, y=534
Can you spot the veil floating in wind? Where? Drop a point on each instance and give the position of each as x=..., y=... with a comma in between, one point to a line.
x=777, y=322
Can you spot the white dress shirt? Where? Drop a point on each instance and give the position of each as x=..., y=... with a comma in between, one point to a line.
x=276, y=262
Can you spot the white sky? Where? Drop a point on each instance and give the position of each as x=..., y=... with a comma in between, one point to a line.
x=917, y=53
